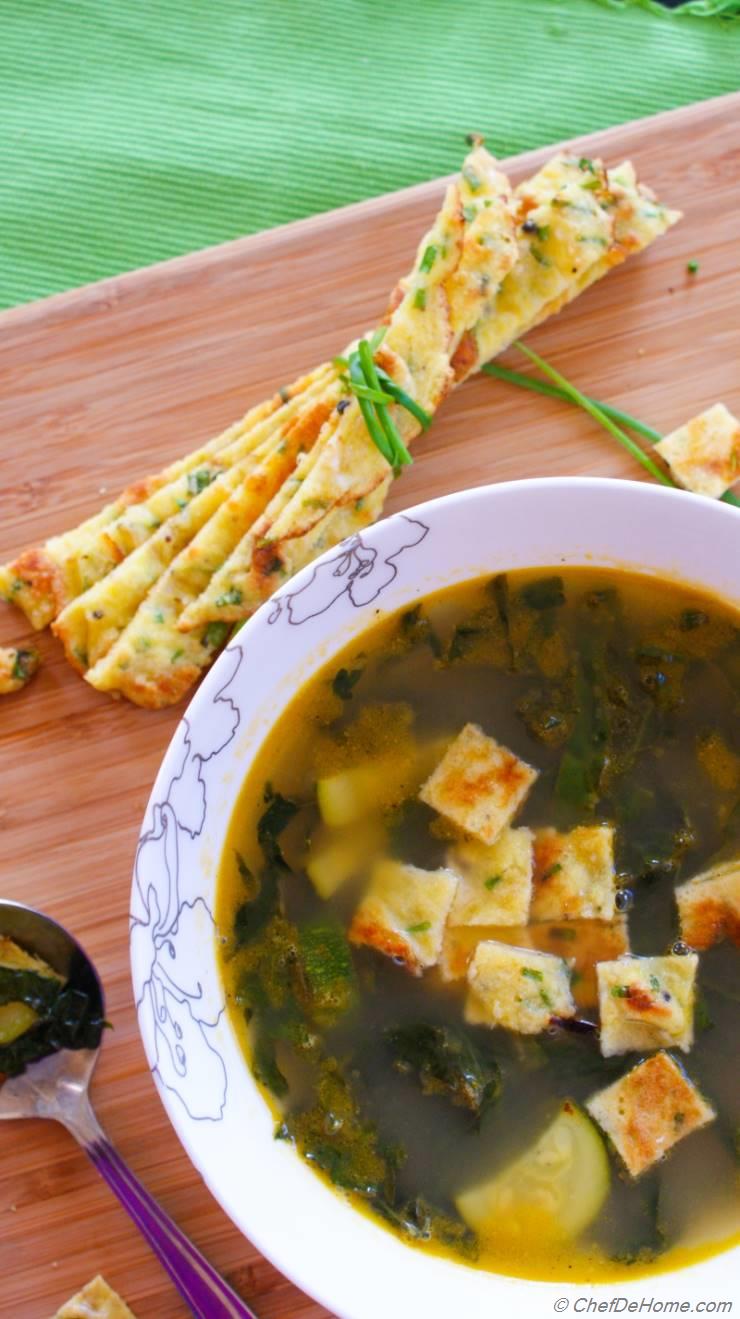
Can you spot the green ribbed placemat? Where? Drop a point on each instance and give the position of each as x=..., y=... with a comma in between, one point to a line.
x=134, y=130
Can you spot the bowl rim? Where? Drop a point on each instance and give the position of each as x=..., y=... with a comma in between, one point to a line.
x=213, y=682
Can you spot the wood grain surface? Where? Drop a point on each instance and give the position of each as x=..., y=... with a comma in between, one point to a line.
x=109, y=382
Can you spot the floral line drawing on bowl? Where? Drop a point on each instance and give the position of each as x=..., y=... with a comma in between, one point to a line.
x=179, y=1007
x=356, y=570
x=178, y=1010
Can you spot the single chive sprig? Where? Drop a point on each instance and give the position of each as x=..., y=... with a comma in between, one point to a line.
x=611, y=418
x=554, y=391
x=374, y=389
x=594, y=410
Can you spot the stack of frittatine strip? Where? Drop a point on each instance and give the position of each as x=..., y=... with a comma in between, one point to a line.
x=145, y=594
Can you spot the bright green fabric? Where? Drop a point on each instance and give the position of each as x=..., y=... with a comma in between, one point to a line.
x=133, y=130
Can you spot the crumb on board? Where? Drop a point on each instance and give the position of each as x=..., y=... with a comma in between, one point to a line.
x=97, y=1300
x=704, y=454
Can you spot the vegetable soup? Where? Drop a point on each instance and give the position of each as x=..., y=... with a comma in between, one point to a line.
x=478, y=914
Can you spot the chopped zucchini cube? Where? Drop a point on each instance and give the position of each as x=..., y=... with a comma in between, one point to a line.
x=337, y=856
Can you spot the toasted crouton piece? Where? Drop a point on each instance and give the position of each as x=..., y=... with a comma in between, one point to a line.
x=704, y=454
x=647, y=1111
x=709, y=906
x=478, y=784
x=495, y=882
x=646, y=1003
x=517, y=988
x=403, y=913
x=574, y=874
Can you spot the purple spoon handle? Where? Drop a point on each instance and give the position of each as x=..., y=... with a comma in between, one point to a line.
x=200, y=1286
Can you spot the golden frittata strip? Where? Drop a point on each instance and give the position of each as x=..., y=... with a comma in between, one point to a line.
x=152, y=661
x=489, y=240
x=136, y=523
x=572, y=224
x=576, y=221
x=42, y=580
x=462, y=258
x=91, y=624
x=562, y=230
x=234, y=578
x=268, y=573
x=159, y=574
x=470, y=270
x=135, y=670
x=198, y=650
x=415, y=353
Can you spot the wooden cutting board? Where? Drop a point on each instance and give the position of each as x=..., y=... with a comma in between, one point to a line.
x=112, y=381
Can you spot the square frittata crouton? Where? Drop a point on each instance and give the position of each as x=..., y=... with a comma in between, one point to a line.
x=495, y=885
x=574, y=877
x=403, y=913
x=478, y=784
x=704, y=455
x=517, y=988
x=709, y=906
x=647, y=1111
x=646, y=1003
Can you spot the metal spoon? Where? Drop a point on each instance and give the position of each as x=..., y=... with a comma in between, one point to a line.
x=57, y=1087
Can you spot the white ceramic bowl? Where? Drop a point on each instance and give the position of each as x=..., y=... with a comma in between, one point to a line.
x=357, y=1269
